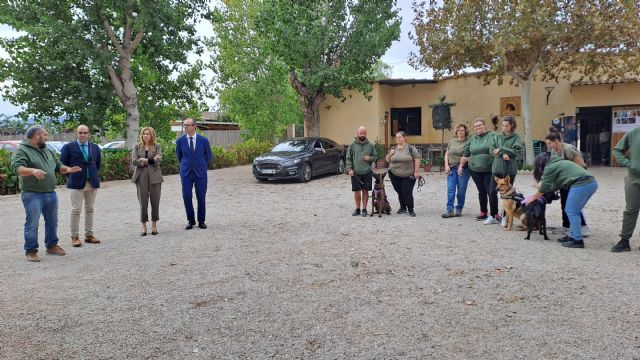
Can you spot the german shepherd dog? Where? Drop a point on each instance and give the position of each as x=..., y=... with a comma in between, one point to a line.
x=379, y=202
x=535, y=214
x=511, y=200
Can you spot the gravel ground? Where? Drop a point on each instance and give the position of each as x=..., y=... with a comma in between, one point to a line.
x=284, y=271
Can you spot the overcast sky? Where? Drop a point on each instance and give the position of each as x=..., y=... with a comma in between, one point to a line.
x=397, y=56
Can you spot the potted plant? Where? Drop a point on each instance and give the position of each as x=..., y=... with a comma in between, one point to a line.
x=426, y=165
x=381, y=162
x=440, y=162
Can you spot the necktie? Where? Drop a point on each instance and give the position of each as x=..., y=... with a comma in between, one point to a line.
x=191, y=144
x=85, y=154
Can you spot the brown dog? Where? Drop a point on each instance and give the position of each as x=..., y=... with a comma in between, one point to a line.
x=379, y=202
x=510, y=201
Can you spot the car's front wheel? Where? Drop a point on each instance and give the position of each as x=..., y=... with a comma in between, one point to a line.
x=305, y=173
x=340, y=169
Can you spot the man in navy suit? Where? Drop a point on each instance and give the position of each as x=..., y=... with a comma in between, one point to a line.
x=82, y=185
x=194, y=154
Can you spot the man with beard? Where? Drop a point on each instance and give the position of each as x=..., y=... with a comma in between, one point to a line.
x=360, y=157
x=36, y=167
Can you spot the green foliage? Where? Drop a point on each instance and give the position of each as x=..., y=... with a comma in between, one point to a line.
x=71, y=57
x=8, y=180
x=247, y=151
x=528, y=39
x=327, y=46
x=116, y=165
x=253, y=88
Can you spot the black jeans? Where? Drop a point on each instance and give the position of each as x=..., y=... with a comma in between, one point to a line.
x=564, y=194
x=484, y=182
x=404, y=187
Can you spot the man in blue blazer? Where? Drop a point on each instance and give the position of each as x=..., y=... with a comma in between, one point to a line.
x=82, y=185
x=194, y=154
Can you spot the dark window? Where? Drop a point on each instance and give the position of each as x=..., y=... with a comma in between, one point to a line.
x=327, y=144
x=408, y=120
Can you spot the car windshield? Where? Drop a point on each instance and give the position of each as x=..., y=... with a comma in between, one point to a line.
x=57, y=145
x=294, y=145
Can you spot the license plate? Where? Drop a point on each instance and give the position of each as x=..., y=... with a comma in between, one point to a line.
x=268, y=171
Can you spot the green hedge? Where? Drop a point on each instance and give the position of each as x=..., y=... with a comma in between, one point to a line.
x=116, y=163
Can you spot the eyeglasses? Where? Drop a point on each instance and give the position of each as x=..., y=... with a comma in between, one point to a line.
x=83, y=132
x=188, y=124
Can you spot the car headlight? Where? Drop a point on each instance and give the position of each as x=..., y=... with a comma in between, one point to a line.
x=291, y=162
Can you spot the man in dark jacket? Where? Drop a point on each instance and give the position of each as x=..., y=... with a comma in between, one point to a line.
x=36, y=167
x=360, y=157
x=83, y=185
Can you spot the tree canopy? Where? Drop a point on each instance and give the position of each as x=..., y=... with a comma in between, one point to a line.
x=82, y=58
x=327, y=46
x=525, y=40
x=252, y=86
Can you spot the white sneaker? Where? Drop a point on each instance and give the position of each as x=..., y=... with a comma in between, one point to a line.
x=585, y=231
x=490, y=220
x=560, y=231
x=503, y=222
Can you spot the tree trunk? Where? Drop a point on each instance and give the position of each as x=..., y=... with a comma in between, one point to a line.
x=526, y=115
x=309, y=104
x=311, y=115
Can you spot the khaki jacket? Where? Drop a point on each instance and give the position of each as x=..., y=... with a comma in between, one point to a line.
x=152, y=172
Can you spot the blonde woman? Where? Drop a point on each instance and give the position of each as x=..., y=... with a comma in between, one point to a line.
x=146, y=157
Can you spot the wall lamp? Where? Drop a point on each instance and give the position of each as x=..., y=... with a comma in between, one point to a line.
x=549, y=90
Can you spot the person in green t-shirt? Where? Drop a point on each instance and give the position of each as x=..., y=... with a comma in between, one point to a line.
x=404, y=170
x=565, y=152
x=36, y=167
x=457, y=173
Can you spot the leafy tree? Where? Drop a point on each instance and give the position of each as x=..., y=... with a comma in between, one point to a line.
x=527, y=39
x=12, y=125
x=75, y=55
x=327, y=46
x=252, y=85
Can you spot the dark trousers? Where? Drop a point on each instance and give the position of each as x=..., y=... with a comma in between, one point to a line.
x=564, y=194
x=484, y=182
x=404, y=187
x=200, y=183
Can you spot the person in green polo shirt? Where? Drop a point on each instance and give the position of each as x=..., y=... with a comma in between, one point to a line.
x=36, y=167
x=629, y=142
x=552, y=173
x=476, y=154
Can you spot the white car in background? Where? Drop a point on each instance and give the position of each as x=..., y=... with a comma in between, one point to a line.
x=114, y=145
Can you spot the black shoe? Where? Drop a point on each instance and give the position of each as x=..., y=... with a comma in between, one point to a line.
x=411, y=213
x=482, y=216
x=144, y=233
x=565, y=239
x=577, y=244
x=202, y=225
x=364, y=212
x=402, y=211
x=356, y=212
x=622, y=245
x=189, y=226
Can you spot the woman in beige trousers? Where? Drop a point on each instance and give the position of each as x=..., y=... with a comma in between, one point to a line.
x=146, y=157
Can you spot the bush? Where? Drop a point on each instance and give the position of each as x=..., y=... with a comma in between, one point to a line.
x=8, y=180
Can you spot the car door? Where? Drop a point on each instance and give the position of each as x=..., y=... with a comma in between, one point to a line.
x=318, y=158
x=333, y=154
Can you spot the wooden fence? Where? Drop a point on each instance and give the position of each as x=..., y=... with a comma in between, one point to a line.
x=222, y=138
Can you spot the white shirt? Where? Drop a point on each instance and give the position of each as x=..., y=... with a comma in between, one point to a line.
x=189, y=141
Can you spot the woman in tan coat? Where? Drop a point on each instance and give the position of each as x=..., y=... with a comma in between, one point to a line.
x=146, y=157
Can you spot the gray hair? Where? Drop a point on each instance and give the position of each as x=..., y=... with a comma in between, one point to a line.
x=34, y=130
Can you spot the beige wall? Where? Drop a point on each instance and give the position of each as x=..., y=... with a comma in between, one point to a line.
x=472, y=100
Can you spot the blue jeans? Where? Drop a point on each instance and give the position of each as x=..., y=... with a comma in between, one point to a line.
x=36, y=204
x=577, y=199
x=457, y=184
